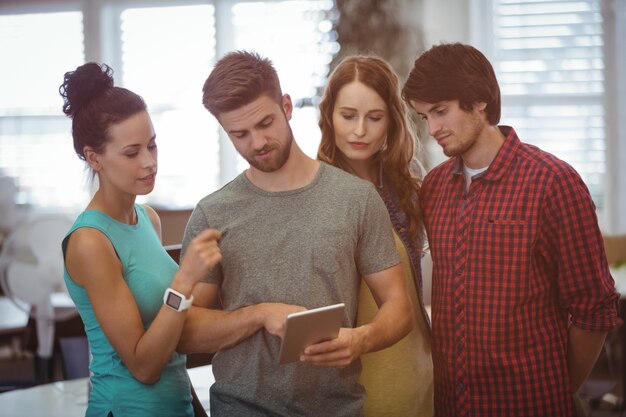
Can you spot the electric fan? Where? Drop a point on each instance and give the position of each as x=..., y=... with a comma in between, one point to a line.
x=31, y=275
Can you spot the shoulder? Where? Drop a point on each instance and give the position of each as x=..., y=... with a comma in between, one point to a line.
x=88, y=243
x=153, y=216
x=215, y=206
x=343, y=181
x=545, y=163
x=560, y=185
x=228, y=193
x=90, y=258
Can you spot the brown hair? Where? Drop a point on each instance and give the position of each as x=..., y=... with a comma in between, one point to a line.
x=454, y=71
x=397, y=156
x=238, y=79
x=94, y=105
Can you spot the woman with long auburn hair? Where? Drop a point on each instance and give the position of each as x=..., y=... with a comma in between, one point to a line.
x=366, y=131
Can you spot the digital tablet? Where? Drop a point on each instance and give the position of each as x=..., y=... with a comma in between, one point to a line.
x=309, y=327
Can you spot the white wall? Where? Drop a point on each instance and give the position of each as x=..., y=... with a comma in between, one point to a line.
x=446, y=21
x=442, y=21
x=615, y=216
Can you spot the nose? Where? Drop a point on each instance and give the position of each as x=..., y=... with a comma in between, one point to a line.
x=148, y=159
x=258, y=140
x=361, y=128
x=433, y=127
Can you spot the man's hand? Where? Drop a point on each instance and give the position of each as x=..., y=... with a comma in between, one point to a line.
x=275, y=316
x=392, y=322
x=339, y=352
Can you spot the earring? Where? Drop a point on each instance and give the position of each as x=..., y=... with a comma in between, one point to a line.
x=384, y=147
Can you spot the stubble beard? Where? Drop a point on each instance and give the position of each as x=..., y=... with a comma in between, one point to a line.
x=274, y=164
x=467, y=141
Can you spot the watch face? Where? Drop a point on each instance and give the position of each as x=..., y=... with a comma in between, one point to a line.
x=173, y=300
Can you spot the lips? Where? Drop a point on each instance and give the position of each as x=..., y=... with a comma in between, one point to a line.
x=358, y=145
x=148, y=177
x=264, y=153
x=442, y=137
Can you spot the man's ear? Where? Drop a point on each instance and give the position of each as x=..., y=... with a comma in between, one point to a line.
x=92, y=158
x=480, y=106
x=287, y=106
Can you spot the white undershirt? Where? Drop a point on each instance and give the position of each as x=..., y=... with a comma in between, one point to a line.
x=470, y=172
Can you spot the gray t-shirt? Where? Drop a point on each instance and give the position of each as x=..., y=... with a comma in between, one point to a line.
x=306, y=247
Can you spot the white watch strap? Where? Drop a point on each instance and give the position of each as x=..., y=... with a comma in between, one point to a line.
x=176, y=300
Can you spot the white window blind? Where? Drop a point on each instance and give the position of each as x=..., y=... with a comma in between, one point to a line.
x=163, y=51
x=167, y=53
x=303, y=30
x=548, y=57
x=35, y=144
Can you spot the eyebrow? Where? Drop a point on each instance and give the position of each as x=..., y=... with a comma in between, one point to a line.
x=136, y=145
x=434, y=106
x=430, y=109
x=353, y=109
x=261, y=122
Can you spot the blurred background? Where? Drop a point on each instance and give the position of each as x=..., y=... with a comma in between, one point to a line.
x=560, y=64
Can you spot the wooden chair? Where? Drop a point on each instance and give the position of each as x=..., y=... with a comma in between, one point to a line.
x=615, y=246
x=75, y=357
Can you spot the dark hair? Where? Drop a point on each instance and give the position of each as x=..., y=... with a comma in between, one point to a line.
x=397, y=155
x=238, y=79
x=94, y=104
x=454, y=71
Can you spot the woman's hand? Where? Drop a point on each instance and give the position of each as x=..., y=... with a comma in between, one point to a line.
x=201, y=255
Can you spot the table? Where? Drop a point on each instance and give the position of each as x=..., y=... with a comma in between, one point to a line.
x=69, y=398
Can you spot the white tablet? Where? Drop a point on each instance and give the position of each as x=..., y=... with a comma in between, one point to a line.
x=309, y=327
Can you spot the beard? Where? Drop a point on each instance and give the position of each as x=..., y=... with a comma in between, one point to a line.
x=278, y=160
x=469, y=139
x=457, y=149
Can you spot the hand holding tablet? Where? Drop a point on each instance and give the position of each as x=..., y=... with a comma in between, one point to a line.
x=308, y=327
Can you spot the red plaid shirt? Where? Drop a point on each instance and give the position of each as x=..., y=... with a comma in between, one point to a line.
x=515, y=261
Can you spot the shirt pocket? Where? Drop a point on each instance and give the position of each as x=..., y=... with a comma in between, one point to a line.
x=503, y=253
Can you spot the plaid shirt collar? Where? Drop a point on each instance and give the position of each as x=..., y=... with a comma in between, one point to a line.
x=501, y=162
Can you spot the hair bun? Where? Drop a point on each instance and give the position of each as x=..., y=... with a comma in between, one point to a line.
x=83, y=85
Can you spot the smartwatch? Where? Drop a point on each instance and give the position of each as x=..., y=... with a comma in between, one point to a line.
x=176, y=301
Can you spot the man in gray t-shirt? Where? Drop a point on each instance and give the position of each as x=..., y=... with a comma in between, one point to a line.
x=297, y=234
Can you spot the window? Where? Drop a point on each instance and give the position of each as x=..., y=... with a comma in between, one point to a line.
x=35, y=146
x=163, y=50
x=302, y=61
x=549, y=60
x=169, y=71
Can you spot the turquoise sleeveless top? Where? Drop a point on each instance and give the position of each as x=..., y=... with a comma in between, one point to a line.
x=148, y=271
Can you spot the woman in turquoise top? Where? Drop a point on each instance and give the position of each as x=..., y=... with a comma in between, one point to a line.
x=116, y=269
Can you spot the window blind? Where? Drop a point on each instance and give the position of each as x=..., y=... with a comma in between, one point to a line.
x=35, y=140
x=163, y=51
x=548, y=57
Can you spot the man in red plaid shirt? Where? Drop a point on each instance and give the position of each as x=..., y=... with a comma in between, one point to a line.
x=522, y=295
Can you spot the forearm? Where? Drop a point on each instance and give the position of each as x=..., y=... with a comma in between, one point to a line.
x=583, y=350
x=156, y=346
x=392, y=322
x=394, y=318
x=208, y=330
